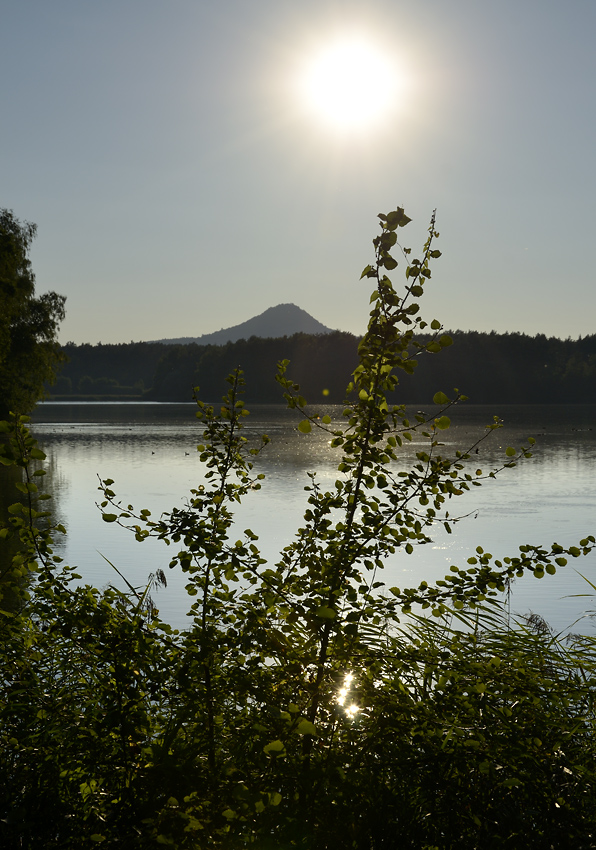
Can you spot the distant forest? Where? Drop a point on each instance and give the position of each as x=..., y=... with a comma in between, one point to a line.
x=488, y=367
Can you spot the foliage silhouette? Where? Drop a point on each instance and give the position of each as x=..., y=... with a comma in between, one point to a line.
x=29, y=350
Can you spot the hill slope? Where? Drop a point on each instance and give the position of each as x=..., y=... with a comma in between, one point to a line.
x=283, y=320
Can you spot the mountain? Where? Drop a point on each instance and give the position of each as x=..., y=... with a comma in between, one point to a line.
x=283, y=320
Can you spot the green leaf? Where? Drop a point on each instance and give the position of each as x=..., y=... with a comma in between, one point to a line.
x=274, y=747
x=395, y=218
x=510, y=451
x=326, y=420
x=435, y=325
x=512, y=783
x=305, y=727
x=440, y=398
x=109, y=517
x=325, y=613
x=305, y=427
x=365, y=271
x=435, y=254
x=229, y=814
x=442, y=423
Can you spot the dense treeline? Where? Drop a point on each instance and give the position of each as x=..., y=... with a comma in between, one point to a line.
x=106, y=369
x=512, y=368
x=319, y=364
x=488, y=367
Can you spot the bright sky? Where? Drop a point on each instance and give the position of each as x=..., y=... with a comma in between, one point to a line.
x=182, y=181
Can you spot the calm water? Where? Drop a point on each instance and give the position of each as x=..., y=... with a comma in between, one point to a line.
x=150, y=452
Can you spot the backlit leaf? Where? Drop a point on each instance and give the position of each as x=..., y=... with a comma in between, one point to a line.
x=274, y=747
x=440, y=398
x=305, y=727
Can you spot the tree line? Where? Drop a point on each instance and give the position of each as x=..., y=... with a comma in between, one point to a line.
x=509, y=368
x=126, y=368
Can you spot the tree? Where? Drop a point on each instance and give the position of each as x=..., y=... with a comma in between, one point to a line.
x=29, y=350
x=306, y=705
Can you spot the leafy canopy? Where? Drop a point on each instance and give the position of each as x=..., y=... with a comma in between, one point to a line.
x=29, y=350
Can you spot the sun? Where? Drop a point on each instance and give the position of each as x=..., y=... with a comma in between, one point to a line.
x=349, y=84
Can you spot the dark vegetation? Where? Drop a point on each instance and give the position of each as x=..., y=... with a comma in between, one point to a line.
x=495, y=368
x=306, y=705
x=108, y=370
x=29, y=350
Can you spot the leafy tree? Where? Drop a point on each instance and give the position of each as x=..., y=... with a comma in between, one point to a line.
x=306, y=705
x=29, y=350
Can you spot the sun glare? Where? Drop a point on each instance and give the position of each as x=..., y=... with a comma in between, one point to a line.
x=349, y=85
x=342, y=695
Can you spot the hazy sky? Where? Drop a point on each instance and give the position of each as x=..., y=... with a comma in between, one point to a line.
x=181, y=185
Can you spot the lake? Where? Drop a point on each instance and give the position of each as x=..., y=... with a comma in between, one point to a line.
x=150, y=452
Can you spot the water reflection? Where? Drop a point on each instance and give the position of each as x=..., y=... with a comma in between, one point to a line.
x=53, y=482
x=150, y=452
